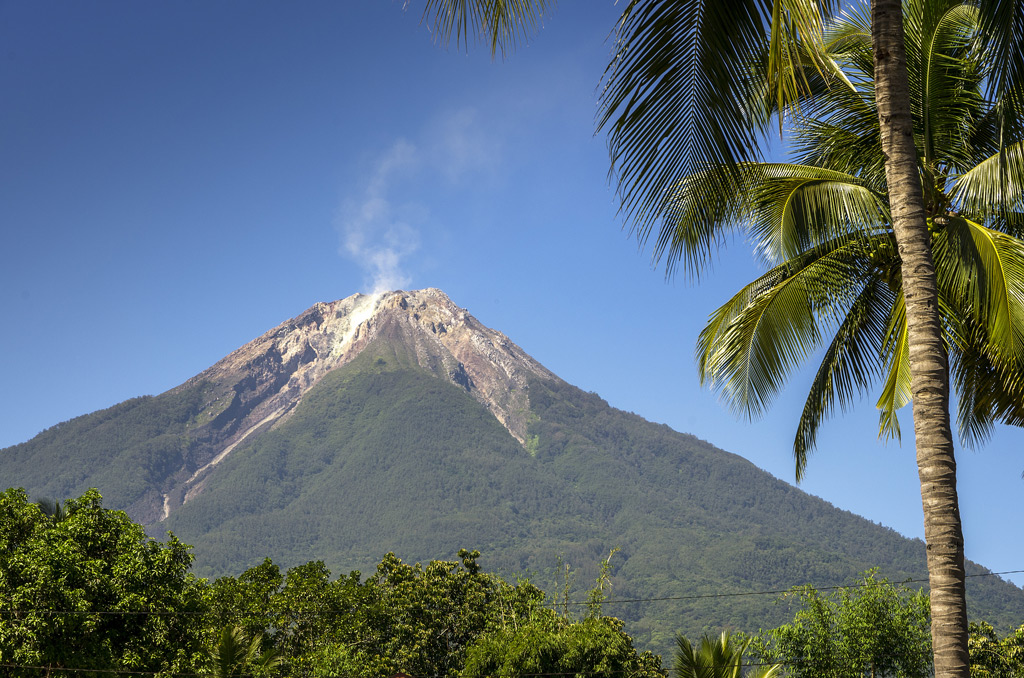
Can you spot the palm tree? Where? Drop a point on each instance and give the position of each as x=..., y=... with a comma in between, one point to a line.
x=1001, y=23
x=828, y=226
x=236, y=655
x=52, y=509
x=720, y=657
x=929, y=377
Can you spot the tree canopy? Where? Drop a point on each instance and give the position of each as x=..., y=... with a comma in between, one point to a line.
x=91, y=591
x=872, y=628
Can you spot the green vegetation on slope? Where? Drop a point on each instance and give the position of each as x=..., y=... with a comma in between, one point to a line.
x=129, y=450
x=382, y=457
x=85, y=591
x=693, y=520
x=378, y=458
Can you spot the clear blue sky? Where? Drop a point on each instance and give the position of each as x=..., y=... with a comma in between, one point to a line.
x=177, y=178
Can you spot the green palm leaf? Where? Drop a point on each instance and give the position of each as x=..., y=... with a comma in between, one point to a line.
x=848, y=366
x=986, y=272
x=702, y=209
x=720, y=657
x=896, y=389
x=236, y=655
x=986, y=394
x=504, y=24
x=944, y=34
x=792, y=208
x=994, y=186
x=786, y=208
x=1002, y=24
x=680, y=95
x=757, y=338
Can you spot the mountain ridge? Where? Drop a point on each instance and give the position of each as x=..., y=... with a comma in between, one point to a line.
x=258, y=385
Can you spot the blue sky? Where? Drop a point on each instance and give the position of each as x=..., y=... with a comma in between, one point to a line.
x=177, y=178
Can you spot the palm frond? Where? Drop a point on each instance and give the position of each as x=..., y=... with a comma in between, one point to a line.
x=236, y=655
x=504, y=24
x=787, y=210
x=701, y=211
x=848, y=366
x=796, y=45
x=720, y=657
x=848, y=37
x=1002, y=24
x=792, y=208
x=845, y=140
x=840, y=130
x=985, y=394
x=983, y=269
x=678, y=96
x=757, y=338
x=896, y=389
x=850, y=31
x=993, y=187
x=950, y=95
x=1010, y=222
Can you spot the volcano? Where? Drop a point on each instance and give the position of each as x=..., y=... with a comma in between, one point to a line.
x=398, y=422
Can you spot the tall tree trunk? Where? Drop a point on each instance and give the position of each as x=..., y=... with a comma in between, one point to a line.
x=929, y=365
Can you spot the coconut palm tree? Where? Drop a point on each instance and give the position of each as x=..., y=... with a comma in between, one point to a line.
x=720, y=657
x=52, y=509
x=236, y=655
x=827, y=226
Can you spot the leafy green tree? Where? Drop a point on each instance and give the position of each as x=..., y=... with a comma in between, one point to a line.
x=994, y=657
x=872, y=628
x=420, y=620
x=721, y=657
x=92, y=592
x=245, y=601
x=305, y=609
x=404, y=618
x=549, y=644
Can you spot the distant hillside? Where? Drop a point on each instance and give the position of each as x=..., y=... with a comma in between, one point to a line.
x=418, y=431
x=130, y=451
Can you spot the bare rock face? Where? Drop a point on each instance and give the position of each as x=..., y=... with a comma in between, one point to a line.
x=261, y=383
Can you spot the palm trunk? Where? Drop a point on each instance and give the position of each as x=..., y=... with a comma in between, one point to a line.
x=929, y=366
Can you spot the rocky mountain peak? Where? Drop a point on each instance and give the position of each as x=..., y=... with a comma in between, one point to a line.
x=260, y=384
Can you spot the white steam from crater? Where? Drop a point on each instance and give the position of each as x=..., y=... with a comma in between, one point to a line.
x=380, y=223
x=377, y=232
